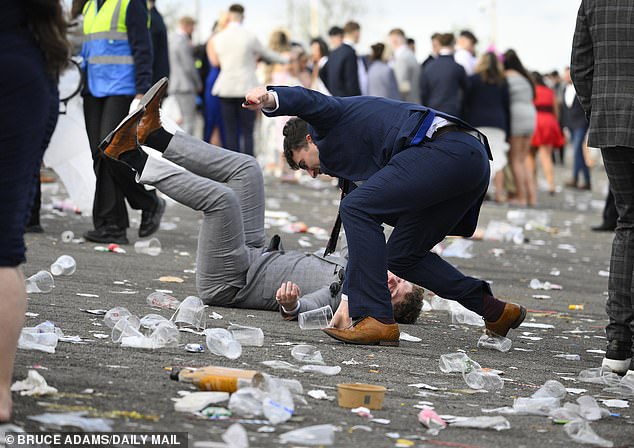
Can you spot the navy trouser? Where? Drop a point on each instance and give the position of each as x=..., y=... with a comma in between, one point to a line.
x=424, y=192
x=239, y=123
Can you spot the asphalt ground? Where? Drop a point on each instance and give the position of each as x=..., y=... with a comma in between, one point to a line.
x=132, y=388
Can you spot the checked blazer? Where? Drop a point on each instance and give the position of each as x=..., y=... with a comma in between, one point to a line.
x=602, y=69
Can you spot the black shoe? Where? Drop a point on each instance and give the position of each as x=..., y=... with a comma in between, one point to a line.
x=604, y=228
x=107, y=234
x=34, y=228
x=150, y=221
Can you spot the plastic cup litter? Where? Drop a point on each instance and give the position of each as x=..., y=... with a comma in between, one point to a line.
x=64, y=265
x=150, y=247
x=315, y=319
x=40, y=282
x=190, y=313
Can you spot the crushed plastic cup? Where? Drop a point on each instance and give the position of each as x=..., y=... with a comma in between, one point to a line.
x=589, y=408
x=64, y=265
x=246, y=402
x=165, y=335
x=483, y=379
x=126, y=327
x=457, y=362
x=220, y=342
x=150, y=247
x=113, y=315
x=503, y=231
x=551, y=388
x=495, y=342
x=162, y=300
x=459, y=248
x=599, y=375
x=315, y=319
x=151, y=321
x=581, y=432
x=42, y=341
x=247, y=336
x=278, y=405
x=307, y=354
x=190, y=313
x=497, y=422
x=463, y=316
x=67, y=236
x=310, y=435
x=535, y=405
x=40, y=282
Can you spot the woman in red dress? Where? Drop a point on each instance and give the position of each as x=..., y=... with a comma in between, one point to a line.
x=547, y=133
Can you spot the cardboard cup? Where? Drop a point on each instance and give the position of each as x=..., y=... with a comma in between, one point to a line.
x=353, y=395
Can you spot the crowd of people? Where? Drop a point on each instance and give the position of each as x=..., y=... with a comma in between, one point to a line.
x=485, y=119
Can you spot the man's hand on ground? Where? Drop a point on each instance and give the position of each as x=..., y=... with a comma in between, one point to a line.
x=287, y=295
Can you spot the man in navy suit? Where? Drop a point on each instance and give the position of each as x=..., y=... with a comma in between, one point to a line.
x=408, y=163
x=443, y=82
x=341, y=72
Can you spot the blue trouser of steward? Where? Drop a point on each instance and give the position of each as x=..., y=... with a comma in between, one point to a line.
x=424, y=191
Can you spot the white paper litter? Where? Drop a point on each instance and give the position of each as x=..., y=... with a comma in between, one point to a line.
x=34, y=384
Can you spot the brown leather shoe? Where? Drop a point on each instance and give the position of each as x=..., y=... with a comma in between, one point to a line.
x=151, y=120
x=512, y=317
x=123, y=138
x=367, y=331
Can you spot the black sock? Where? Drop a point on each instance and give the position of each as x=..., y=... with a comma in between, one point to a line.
x=159, y=139
x=135, y=159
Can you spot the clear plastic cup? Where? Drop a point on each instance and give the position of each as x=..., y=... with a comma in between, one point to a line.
x=113, y=315
x=315, y=319
x=307, y=354
x=190, y=313
x=64, y=265
x=150, y=247
x=165, y=335
x=151, y=321
x=250, y=336
x=67, y=236
x=126, y=327
x=40, y=282
x=221, y=342
x=456, y=362
x=162, y=300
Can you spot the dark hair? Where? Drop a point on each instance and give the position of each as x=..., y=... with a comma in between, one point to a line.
x=335, y=31
x=408, y=310
x=48, y=25
x=469, y=35
x=411, y=41
x=237, y=8
x=512, y=62
x=351, y=27
x=323, y=46
x=377, y=52
x=435, y=36
x=447, y=39
x=295, y=132
x=538, y=78
x=489, y=69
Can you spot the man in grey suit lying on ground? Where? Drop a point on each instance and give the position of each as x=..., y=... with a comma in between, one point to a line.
x=235, y=267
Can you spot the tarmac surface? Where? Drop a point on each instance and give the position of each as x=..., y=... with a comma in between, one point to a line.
x=131, y=387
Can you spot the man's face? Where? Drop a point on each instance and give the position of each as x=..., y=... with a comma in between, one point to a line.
x=307, y=158
x=398, y=287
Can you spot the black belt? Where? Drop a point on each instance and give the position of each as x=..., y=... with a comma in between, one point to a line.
x=452, y=128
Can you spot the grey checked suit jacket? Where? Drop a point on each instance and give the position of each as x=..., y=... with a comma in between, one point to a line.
x=602, y=69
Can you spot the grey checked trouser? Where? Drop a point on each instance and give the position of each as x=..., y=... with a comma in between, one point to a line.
x=228, y=188
x=619, y=165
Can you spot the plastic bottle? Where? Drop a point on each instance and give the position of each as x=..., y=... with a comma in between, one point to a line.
x=192, y=375
x=499, y=343
x=481, y=379
x=222, y=383
x=162, y=300
x=221, y=342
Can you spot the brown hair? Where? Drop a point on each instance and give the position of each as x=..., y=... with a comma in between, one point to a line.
x=447, y=39
x=351, y=27
x=490, y=69
x=407, y=310
x=48, y=25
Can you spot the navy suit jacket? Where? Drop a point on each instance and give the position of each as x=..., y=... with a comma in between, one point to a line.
x=358, y=136
x=340, y=74
x=443, y=83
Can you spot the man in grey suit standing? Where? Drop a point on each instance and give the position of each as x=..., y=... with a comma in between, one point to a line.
x=405, y=66
x=602, y=69
x=234, y=266
x=185, y=81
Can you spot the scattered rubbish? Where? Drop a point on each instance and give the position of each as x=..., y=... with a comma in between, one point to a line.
x=80, y=294
x=64, y=265
x=324, y=370
x=604, y=273
x=196, y=401
x=215, y=316
x=115, y=248
x=190, y=314
x=581, y=432
x=307, y=354
x=408, y=337
x=575, y=307
x=459, y=248
x=113, y=315
x=599, y=375
x=170, y=279
x=352, y=361
x=151, y=247
x=319, y=394
x=503, y=231
x=162, y=300
x=362, y=411
x=568, y=357
x=536, y=325
x=315, y=319
x=495, y=342
x=278, y=405
x=351, y=395
x=42, y=337
x=34, y=384
x=310, y=435
x=432, y=421
x=214, y=378
x=75, y=420
x=483, y=379
x=247, y=336
x=222, y=343
x=537, y=284
x=152, y=321
x=40, y=282
x=497, y=423
x=457, y=362
x=194, y=348
x=67, y=236
x=614, y=403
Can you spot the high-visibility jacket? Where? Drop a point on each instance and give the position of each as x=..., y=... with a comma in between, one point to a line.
x=106, y=51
